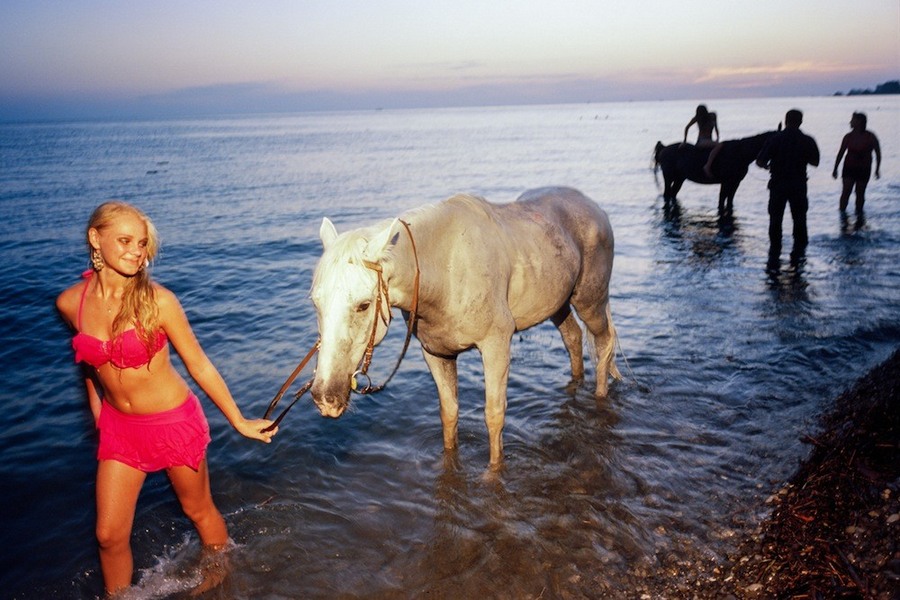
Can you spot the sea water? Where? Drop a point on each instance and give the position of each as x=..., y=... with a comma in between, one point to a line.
x=726, y=365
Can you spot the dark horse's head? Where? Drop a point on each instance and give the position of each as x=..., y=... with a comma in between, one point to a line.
x=747, y=149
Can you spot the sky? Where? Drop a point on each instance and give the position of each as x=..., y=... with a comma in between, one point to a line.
x=64, y=59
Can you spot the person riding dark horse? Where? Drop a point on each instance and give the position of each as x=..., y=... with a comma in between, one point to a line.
x=707, y=126
x=686, y=161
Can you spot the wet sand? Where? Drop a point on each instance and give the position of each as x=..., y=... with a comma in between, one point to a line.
x=833, y=531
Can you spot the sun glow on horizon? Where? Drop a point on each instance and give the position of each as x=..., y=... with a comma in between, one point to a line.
x=275, y=53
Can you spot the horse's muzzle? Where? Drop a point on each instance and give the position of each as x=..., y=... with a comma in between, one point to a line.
x=330, y=400
x=331, y=408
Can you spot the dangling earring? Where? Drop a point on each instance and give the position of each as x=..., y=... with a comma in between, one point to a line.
x=97, y=260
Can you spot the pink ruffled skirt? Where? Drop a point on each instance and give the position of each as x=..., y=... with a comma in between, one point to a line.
x=157, y=441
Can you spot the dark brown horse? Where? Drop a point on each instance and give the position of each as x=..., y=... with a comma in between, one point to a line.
x=685, y=161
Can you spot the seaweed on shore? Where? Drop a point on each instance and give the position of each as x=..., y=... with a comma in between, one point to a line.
x=834, y=530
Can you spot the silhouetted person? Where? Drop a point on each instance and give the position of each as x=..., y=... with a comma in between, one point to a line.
x=707, y=124
x=786, y=155
x=859, y=145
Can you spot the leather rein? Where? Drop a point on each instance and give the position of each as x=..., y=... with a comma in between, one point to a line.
x=381, y=296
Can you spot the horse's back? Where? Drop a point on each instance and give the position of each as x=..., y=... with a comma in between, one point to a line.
x=575, y=213
x=544, y=236
x=557, y=237
x=536, y=214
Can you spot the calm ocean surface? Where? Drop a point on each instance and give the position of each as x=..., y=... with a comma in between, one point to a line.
x=727, y=365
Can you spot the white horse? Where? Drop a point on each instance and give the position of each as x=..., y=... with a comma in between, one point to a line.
x=475, y=273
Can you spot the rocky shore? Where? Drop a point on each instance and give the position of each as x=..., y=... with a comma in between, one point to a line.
x=834, y=529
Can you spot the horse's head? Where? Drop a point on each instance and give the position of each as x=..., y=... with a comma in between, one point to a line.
x=748, y=148
x=352, y=308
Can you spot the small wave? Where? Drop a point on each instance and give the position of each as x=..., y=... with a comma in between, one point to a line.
x=177, y=571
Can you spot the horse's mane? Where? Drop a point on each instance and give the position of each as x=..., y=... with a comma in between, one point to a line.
x=436, y=214
x=748, y=147
x=755, y=137
x=475, y=204
x=347, y=248
x=470, y=201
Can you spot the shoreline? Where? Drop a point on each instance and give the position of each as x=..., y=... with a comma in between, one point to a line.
x=834, y=528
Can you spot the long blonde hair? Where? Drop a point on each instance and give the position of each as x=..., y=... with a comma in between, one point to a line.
x=139, y=300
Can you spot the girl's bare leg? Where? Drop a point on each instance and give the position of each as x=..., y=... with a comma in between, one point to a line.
x=118, y=487
x=193, y=491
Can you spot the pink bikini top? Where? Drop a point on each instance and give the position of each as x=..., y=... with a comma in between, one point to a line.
x=126, y=350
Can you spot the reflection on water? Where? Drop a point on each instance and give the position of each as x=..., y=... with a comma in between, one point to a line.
x=851, y=225
x=705, y=237
x=787, y=282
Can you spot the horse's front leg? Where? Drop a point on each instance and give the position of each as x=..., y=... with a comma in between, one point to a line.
x=495, y=355
x=443, y=371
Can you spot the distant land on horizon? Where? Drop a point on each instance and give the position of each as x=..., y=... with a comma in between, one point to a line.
x=888, y=87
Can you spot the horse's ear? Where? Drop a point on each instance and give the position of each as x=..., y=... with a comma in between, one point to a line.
x=327, y=232
x=382, y=241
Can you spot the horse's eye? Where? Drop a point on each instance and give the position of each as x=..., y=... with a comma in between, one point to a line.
x=363, y=307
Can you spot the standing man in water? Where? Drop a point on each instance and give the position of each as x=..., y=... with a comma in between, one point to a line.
x=786, y=155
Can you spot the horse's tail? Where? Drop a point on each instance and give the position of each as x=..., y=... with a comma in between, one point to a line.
x=606, y=356
x=608, y=352
x=656, y=152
